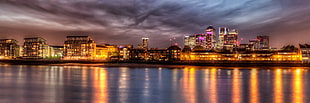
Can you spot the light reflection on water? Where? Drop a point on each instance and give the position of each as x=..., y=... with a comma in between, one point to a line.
x=93, y=84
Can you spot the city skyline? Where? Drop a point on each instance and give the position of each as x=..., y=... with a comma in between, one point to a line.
x=126, y=22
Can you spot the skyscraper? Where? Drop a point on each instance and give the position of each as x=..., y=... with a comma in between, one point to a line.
x=145, y=43
x=263, y=42
x=201, y=40
x=210, y=37
x=222, y=33
x=231, y=39
x=206, y=40
x=190, y=41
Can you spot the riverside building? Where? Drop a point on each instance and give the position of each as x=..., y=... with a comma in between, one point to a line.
x=35, y=48
x=79, y=47
x=9, y=49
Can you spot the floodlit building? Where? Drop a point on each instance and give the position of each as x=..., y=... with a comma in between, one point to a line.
x=35, y=48
x=198, y=53
x=106, y=51
x=79, y=47
x=9, y=49
x=286, y=56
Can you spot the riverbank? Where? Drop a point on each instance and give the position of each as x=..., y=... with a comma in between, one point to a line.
x=156, y=63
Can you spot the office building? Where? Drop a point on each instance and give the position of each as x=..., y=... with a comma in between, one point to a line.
x=190, y=41
x=206, y=40
x=231, y=39
x=210, y=38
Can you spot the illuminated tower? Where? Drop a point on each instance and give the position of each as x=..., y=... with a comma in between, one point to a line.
x=210, y=37
x=222, y=33
x=145, y=43
x=231, y=39
x=190, y=41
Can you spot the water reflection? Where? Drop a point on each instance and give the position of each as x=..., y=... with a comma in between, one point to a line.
x=278, y=90
x=254, y=92
x=91, y=84
x=189, y=85
x=101, y=85
x=213, y=86
x=297, y=86
x=123, y=85
x=236, y=87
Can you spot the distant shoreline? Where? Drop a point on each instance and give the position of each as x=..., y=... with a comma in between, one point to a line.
x=156, y=63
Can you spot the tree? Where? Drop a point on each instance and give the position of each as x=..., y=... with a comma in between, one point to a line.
x=289, y=48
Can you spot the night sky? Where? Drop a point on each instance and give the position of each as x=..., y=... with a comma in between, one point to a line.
x=127, y=21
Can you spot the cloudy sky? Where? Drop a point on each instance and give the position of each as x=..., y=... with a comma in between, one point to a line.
x=127, y=21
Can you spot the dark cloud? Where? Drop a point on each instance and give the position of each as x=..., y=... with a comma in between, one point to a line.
x=126, y=21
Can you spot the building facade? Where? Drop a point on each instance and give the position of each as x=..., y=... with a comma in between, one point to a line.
x=222, y=33
x=9, y=49
x=231, y=39
x=145, y=43
x=79, y=47
x=305, y=52
x=174, y=53
x=190, y=41
x=35, y=48
x=124, y=51
x=210, y=38
x=106, y=51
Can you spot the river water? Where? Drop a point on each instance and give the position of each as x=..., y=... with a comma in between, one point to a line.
x=100, y=84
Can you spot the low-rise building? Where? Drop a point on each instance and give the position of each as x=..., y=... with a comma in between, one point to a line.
x=9, y=49
x=305, y=52
x=106, y=51
x=35, y=48
x=157, y=54
x=79, y=47
x=124, y=52
x=174, y=53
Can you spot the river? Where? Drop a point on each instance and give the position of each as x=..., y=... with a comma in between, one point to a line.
x=187, y=84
